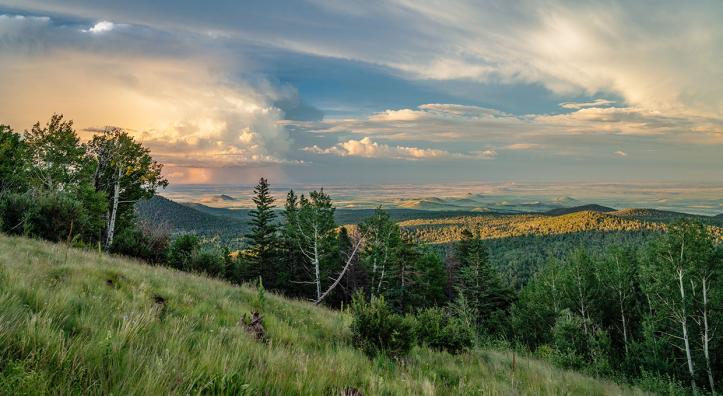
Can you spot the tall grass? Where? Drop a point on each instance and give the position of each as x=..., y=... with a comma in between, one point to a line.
x=93, y=324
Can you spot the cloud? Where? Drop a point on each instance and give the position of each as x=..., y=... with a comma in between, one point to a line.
x=661, y=58
x=446, y=122
x=180, y=97
x=582, y=105
x=523, y=146
x=367, y=148
x=485, y=154
x=101, y=27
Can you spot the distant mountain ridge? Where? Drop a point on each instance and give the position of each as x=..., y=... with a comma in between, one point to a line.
x=232, y=224
x=581, y=208
x=181, y=218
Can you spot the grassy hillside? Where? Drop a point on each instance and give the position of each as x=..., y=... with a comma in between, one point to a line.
x=74, y=322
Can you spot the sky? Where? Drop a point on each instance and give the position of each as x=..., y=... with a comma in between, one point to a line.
x=401, y=91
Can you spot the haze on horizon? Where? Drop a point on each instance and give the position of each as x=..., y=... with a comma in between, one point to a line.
x=382, y=91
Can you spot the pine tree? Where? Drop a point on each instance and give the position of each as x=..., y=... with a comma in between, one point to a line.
x=481, y=284
x=262, y=237
x=291, y=256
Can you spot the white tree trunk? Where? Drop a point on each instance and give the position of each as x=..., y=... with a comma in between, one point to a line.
x=684, y=325
x=341, y=275
x=111, y=222
x=317, y=270
x=625, y=326
x=707, y=337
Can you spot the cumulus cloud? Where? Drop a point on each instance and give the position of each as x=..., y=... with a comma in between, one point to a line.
x=445, y=122
x=188, y=109
x=100, y=27
x=367, y=148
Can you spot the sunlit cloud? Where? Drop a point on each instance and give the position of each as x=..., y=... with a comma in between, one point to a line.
x=367, y=148
x=582, y=105
x=101, y=27
x=187, y=112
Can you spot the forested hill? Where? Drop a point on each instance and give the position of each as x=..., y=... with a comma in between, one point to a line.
x=504, y=226
x=180, y=218
x=582, y=208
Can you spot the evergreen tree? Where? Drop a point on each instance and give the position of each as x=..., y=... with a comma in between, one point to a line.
x=262, y=237
x=292, y=258
x=482, y=285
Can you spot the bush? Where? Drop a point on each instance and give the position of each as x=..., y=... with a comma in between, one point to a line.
x=576, y=349
x=14, y=209
x=181, y=250
x=56, y=217
x=143, y=241
x=439, y=330
x=208, y=259
x=377, y=330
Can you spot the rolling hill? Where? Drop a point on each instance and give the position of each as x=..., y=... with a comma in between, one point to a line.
x=582, y=208
x=79, y=322
x=181, y=218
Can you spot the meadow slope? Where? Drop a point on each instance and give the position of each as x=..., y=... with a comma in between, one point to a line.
x=78, y=322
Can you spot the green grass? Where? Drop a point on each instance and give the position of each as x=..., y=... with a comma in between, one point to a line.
x=75, y=322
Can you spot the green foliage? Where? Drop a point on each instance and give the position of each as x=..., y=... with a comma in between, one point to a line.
x=13, y=161
x=181, y=250
x=682, y=279
x=376, y=329
x=579, y=344
x=482, y=286
x=263, y=239
x=14, y=211
x=144, y=241
x=55, y=216
x=207, y=259
x=437, y=329
x=382, y=249
x=57, y=156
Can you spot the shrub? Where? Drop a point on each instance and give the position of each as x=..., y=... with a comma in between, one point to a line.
x=439, y=330
x=208, y=259
x=143, y=241
x=14, y=209
x=377, y=330
x=578, y=342
x=56, y=216
x=179, y=254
